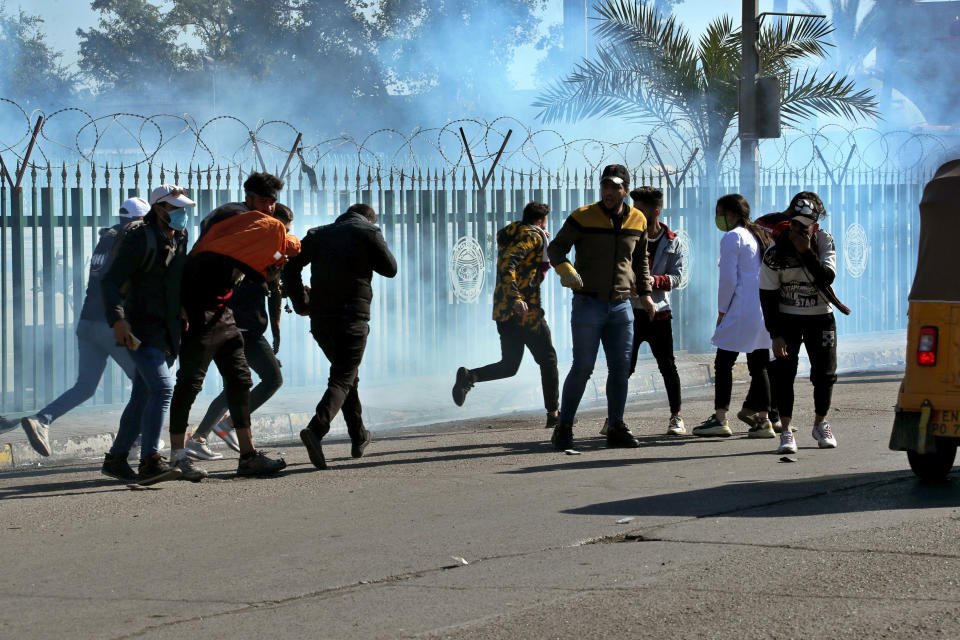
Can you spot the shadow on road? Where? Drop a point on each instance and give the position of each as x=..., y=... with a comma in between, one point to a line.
x=847, y=493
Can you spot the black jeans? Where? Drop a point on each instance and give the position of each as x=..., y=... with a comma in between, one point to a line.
x=819, y=335
x=758, y=397
x=222, y=344
x=513, y=338
x=342, y=340
x=658, y=333
x=260, y=358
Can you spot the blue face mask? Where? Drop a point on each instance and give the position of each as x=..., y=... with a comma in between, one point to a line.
x=178, y=219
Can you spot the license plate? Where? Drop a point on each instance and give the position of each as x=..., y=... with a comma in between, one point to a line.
x=945, y=423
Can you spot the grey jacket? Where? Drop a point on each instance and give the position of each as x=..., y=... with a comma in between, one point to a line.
x=666, y=269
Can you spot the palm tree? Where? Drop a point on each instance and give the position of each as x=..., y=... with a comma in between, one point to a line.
x=648, y=69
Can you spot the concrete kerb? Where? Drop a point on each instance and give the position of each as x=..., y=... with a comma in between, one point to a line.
x=278, y=427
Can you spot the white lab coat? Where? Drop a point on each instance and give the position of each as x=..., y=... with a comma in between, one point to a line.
x=742, y=328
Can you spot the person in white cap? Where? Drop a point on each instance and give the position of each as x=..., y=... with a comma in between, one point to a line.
x=95, y=343
x=141, y=298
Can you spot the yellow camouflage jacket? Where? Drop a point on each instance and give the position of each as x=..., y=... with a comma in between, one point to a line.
x=519, y=256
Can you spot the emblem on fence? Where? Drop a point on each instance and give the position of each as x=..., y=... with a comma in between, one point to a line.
x=467, y=269
x=856, y=250
x=683, y=239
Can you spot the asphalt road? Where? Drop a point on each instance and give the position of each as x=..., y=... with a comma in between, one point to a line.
x=724, y=540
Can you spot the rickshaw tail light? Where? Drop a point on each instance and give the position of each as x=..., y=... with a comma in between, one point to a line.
x=927, y=347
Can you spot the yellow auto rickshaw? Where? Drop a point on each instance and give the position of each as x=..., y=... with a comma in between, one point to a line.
x=927, y=420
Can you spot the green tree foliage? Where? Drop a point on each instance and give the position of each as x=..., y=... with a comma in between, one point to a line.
x=134, y=48
x=32, y=72
x=647, y=68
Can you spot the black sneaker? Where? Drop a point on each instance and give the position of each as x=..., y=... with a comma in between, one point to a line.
x=562, y=437
x=619, y=437
x=116, y=466
x=312, y=442
x=189, y=470
x=463, y=384
x=357, y=446
x=552, y=421
x=260, y=465
x=155, y=469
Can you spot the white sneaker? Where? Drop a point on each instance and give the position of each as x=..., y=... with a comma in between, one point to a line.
x=225, y=430
x=788, y=444
x=763, y=429
x=38, y=433
x=605, y=427
x=713, y=427
x=824, y=436
x=676, y=428
x=200, y=451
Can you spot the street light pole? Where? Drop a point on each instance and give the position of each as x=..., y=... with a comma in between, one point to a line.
x=750, y=67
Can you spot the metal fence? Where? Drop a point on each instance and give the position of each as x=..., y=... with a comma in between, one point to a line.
x=435, y=315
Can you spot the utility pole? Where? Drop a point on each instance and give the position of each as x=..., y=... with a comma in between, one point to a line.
x=748, y=102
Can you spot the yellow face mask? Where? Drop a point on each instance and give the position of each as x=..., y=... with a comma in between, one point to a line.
x=723, y=224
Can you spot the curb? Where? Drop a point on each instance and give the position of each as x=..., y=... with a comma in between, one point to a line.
x=285, y=427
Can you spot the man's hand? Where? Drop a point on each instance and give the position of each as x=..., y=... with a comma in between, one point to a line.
x=569, y=276
x=122, y=335
x=276, y=339
x=779, y=347
x=520, y=307
x=719, y=319
x=646, y=303
x=650, y=282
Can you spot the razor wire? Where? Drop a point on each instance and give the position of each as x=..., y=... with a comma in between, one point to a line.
x=72, y=136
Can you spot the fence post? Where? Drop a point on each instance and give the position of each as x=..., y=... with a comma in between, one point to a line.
x=47, y=363
x=19, y=296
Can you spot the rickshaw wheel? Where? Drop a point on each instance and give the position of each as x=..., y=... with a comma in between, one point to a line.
x=933, y=466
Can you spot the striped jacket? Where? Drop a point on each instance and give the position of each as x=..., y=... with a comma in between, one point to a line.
x=610, y=258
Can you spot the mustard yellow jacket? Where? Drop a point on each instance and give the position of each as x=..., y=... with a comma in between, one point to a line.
x=610, y=260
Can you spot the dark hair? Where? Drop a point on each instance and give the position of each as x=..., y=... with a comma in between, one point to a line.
x=534, y=211
x=264, y=184
x=365, y=210
x=812, y=197
x=737, y=205
x=283, y=213
x=650, y=196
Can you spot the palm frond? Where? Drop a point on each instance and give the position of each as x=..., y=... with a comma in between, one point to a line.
x=785, y=42
x=805, y=95
x=719, y=53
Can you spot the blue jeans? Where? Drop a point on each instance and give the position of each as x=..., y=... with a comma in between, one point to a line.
x=594, y=322
x=95, y=344
x=146, y=411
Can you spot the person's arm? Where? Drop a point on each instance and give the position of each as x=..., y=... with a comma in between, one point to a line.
x=822, y=265
x=769, y=283
x=381, y=259
x=672, y=273
x=729, y=253
x=292, y=278
x=557, y=251
x=274, y=305
x=641, y=267
x=129, y=255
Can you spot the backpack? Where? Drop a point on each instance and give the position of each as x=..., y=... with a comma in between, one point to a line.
x=149, y=256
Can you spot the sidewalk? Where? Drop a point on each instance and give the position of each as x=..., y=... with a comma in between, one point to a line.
x=87, y=432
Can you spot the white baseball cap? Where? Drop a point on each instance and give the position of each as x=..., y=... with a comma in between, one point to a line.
x=177, y=196
x=134, y=208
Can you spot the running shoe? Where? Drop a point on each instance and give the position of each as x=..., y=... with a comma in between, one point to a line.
x=676, y=427
x=198, y=450
x=260, y=465
x=824, y=436
x=463, y=385
x=189, y=470
x=116, y=466
x=227, y=433
x=562, y=437
x=713, y=427
x=788, y=444
x=763, y=429
x=620, y=437
x=156, y=469
x=38, y=433
x=312, y=442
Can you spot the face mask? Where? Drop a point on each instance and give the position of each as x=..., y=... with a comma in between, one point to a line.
x=723, y=224
x=178, y=219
